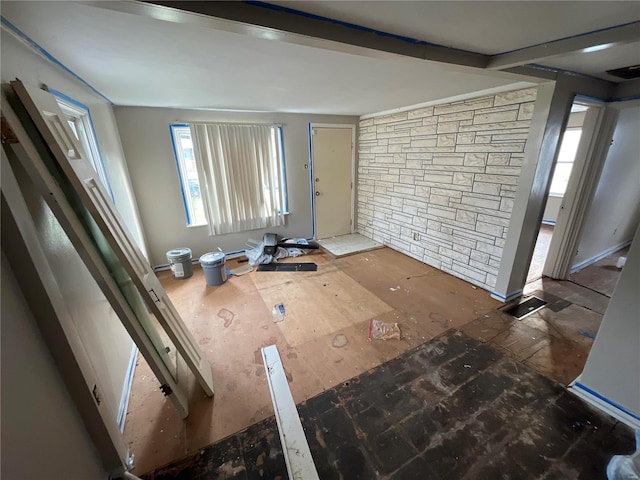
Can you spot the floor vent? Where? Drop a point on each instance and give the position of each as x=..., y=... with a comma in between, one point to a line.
x=525, y=308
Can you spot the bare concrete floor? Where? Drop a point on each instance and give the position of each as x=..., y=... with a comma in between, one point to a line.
x=323, y=309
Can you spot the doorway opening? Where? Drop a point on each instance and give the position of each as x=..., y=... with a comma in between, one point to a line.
x=332, y=159
x=554, y=203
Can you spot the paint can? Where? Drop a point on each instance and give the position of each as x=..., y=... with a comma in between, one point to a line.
x=212, y=264
x=180, y=262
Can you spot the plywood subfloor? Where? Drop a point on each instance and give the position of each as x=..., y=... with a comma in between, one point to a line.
x=233, y=321
x=323, y=310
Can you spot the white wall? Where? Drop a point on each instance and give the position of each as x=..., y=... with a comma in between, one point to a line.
x=20, y=62
x=613, y=366
x=108, y=344
x=447, y=174
x=42, y=434
x=615, y=212
x=552, y=208
x=154, y=175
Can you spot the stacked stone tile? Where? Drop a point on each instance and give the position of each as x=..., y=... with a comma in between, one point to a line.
x=438, y=183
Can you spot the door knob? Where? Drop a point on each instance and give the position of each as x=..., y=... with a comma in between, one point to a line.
x=317, y=194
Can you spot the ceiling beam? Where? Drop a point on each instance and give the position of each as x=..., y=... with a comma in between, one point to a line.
x=592, y=41
x=271, y=22
x=576, y=82
x=278, y=22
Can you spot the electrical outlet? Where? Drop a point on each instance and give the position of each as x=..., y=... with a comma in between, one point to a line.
x=416, y=236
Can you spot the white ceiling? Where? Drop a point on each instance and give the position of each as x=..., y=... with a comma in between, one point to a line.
x=495, y=27
x=134, y=60
x=478, y=26
x=137, y=60
x=598, y=62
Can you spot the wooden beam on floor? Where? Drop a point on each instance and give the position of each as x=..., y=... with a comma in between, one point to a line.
x=294, y=444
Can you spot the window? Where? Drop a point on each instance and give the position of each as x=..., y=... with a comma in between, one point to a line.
x=79, y=119
x=188, y=172
x=564, y=164
x=232, y=175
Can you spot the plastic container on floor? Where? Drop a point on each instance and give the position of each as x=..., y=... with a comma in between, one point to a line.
x=180, y=262
x=213, y=267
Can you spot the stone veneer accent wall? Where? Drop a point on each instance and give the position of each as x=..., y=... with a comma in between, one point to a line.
x=438, y=183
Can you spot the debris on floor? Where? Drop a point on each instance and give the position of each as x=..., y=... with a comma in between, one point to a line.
x=288, y=267
x=243, y=270
x=270, y=249
x=340, y=341
x=383, y=331
x=625, y=467
x=584, y=333
x=278, y=312
x=394, y=289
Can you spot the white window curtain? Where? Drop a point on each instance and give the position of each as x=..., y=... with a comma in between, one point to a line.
x=240, y=175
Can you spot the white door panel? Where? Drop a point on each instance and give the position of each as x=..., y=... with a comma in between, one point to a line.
x=125, y=305
x=125, y=261
x=332, y=150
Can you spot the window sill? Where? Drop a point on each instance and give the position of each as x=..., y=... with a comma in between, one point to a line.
x=198, y=225
x=557, y=195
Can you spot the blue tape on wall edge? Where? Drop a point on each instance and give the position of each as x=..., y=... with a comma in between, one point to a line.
x=606, y=400
x=35, y=46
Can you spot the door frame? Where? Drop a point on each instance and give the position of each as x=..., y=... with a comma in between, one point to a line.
x=598, y=128
x=351, y=126
x=49, y=120
x=40, y=288
x=28, y=153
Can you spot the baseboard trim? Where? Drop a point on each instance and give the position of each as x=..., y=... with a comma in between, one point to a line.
x=600, y=256
x=508, y=298
x=603, y=403
x=196, y=261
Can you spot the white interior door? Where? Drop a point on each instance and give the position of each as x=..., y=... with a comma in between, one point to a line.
x=597, y=134
x=119, y=251
x=23, y=244
x=332, y=156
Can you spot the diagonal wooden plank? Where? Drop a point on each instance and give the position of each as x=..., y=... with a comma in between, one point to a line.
x=294, y=444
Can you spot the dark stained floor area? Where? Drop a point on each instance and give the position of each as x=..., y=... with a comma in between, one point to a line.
x=452, y=408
